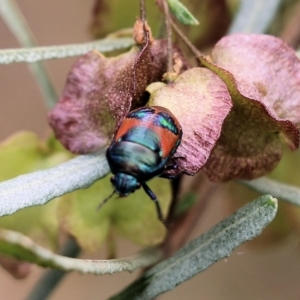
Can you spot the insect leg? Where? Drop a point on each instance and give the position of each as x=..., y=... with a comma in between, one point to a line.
x=153, y=198
x=170, y=167
x=168, y=176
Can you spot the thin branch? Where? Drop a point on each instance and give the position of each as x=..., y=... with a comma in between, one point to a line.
x=20, y=246
x=145, y=41
x=187, y=42
x=175, y=185
x=142, y=11
x=169, y=35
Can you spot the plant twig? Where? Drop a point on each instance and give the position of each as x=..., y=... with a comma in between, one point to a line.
x=145, y=43
x=142, y=11
x=169, y=35
x=187, y=42
x=163, y=5
x=20, y=246
x=175, y=185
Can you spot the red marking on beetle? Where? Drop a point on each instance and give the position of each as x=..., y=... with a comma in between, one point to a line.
x=167, y=138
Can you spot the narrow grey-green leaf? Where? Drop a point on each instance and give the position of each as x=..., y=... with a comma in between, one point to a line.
x=182, y=13
x=21, y=247
x=39, y=187
x=254, y=16
x=202, y=252
x=30, y=55
x=279, y=190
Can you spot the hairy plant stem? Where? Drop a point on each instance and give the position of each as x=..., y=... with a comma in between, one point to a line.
x=175, y=185
x=187, y=42
x=143, y=11
x=169, y=35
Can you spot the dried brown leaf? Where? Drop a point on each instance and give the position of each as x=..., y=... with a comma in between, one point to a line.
x=101, y=91
x=200, y=101
x=263, y=76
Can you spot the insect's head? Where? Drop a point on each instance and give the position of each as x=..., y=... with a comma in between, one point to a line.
x=125, y=184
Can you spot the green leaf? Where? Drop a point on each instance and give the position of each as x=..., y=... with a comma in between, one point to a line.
x=22, y=153
x=202, y=252
x=182, y=13
x=39, y=223
x=133, y=217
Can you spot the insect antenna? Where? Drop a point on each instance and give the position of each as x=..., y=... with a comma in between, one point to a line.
x=105, y=200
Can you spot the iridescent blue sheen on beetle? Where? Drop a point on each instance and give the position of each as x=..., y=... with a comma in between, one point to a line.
x=142, y=148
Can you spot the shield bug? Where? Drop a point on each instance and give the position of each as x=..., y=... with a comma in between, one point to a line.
x=142, y=149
